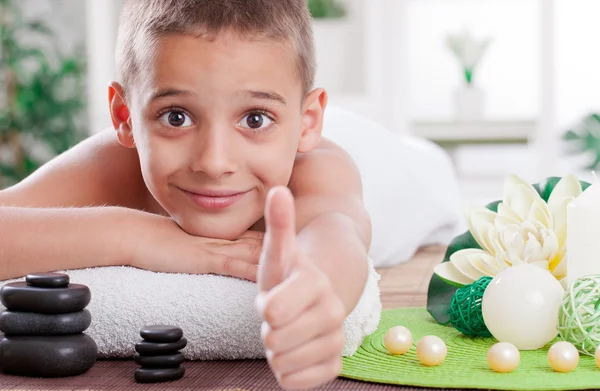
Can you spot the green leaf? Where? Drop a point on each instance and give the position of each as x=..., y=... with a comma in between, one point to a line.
x=326, y=9
x=440, y=292
x=39, y=26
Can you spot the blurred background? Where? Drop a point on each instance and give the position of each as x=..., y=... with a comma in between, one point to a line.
x=504, y=86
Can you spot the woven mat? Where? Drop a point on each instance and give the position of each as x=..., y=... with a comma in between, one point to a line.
x=465, y=365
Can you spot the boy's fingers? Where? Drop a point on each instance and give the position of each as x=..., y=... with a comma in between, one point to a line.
x=245, y=251
x=252, y=235
x=323, y=317
x=313, y=376
x=279, y=245
x=280, y=221
x=227, y=266
x=326, y=347
x=286, y=302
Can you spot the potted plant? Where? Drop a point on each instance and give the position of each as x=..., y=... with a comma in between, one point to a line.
x=41, y=95
x=468, y=51
x=584, y=139
x=330, y=28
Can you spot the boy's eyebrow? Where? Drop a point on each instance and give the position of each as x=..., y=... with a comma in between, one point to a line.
x=265, y=95
x=163, y=93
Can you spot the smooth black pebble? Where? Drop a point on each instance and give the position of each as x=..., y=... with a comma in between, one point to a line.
x=44, y=356
x=153, y=375
x=47, y=280
x=19, y=296
x=158, y=348
x=29, y=323
x=163, y=361
x=161, y=333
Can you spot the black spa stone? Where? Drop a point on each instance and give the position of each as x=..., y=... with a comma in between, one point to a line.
x=45, y=356
x=47, y=280
x=161, y=333
x=158, y=348
x=154, y=375
x=19, y=296
x=29, y=323
x=163, y=361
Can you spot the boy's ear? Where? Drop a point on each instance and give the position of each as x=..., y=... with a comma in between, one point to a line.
x=119, y=113
x=312, y=120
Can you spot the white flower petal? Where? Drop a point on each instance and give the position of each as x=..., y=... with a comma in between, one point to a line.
x=462, y=261
x=507, y=212
x=568, y=187
x=560, y=220
x=519, y=195
x=558, y=264
x=481, y=226
x=489, y=264
x=447, y=272
x=540, y=264
x=533, y=250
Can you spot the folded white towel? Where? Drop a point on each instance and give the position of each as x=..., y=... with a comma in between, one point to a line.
x=216, y=313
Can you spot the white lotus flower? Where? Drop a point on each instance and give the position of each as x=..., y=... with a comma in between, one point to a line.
x=525, y=229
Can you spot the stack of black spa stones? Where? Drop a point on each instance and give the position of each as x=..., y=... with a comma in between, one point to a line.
x=158, y=354
x=43, y=327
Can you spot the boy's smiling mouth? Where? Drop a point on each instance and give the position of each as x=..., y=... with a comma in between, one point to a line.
x=214, y=198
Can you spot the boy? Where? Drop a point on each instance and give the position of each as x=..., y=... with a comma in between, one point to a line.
x=215, y=119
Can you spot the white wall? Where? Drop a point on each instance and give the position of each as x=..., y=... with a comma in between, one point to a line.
x=508, y=72
x=102, y=24
x=578, y=59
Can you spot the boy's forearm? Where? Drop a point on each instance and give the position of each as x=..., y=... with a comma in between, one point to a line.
x=332, y=241
x=40, y=240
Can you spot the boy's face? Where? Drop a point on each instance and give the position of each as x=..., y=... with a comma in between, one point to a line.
x=216, y=125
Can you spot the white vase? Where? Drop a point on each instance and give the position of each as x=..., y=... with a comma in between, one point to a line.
x=470, y=102
x=330, y=47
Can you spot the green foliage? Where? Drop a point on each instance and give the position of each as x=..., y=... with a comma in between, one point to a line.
x=326, y=9
x=440, y=293
x=41, y=95
x=585, y=138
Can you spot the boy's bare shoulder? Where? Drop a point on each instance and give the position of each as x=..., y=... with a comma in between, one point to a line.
x=324, y=169
x=97, y=171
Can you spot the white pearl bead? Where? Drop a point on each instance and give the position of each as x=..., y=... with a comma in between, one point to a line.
x=398, y=340
x=503, y=357
x=563, y=356
x=431, y=350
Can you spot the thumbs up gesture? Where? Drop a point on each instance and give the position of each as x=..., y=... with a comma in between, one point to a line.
x=303, y=317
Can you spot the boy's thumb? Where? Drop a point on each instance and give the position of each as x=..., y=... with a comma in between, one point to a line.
x=279, y=245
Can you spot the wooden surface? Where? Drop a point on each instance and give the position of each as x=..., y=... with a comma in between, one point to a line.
x=406, y=285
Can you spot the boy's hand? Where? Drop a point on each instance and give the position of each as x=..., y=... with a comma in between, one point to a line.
x=303, y=317
x=164, y=247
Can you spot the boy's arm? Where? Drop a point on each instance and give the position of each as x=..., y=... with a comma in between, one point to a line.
x=83, y=209
x=334, y=228
x=313, y=268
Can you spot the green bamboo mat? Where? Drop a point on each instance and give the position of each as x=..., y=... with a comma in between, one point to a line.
x=465, y=365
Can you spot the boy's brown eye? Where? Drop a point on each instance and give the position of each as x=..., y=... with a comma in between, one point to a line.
x=176, y=118
x=255, y=121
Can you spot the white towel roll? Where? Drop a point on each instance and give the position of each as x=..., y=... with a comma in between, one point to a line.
x=216, y=313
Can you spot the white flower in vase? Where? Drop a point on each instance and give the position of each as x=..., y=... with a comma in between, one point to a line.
x=468, y=51
x=525, y=229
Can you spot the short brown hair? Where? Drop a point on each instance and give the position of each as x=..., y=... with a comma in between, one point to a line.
x=143, y=21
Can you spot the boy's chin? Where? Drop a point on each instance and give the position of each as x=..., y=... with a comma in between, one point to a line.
x=221, y=230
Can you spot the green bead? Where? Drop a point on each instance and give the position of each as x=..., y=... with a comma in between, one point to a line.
x=465, y=309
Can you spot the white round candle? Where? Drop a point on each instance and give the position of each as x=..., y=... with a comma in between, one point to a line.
x=583, y=226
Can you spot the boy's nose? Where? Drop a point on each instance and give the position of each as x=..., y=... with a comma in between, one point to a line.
x=214, y=156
